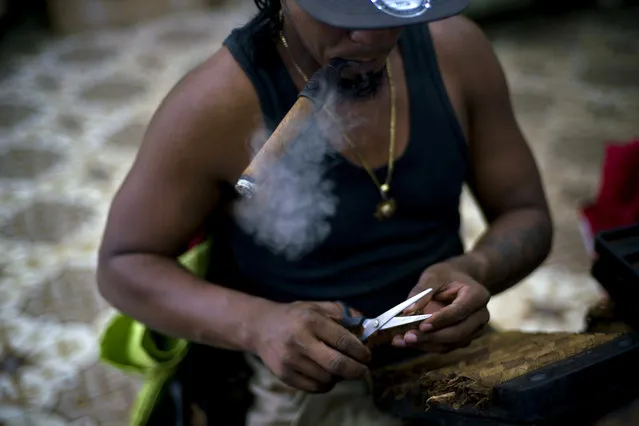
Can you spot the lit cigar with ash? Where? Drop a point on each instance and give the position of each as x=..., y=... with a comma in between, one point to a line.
x=291, y=126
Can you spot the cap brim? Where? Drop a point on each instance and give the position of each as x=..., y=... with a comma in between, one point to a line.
x=362, y=14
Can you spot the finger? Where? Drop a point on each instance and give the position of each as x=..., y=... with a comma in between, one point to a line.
x=433, y=306
x=435, y=347
x=406, y=338
x=448, y=294
x=336, y=363
x=332, y=309
x=300, y=381
x=467, y=302
x=385, y=337
x=426, y=281
x=416, y=330
x=480, y=332
x=312, y=370
x=427, y=345
x=412, y=336
x=342, y=340
x=432, y=348
x=398, y=341
x=335, y=310
x=462, y=332
x=430, y=308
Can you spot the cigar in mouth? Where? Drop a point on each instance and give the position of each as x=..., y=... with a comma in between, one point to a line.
x=285, y=133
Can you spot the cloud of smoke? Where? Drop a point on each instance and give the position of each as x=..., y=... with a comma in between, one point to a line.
x=290, y=213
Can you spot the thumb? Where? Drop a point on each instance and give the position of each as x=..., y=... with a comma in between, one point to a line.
x=426, y=281
x=420, y=304
x=449, y=293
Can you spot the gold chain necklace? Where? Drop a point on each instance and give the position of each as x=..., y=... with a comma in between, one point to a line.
x=387, y=207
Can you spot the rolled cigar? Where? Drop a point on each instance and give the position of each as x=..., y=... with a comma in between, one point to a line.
x=289, y=128
x=293, y=123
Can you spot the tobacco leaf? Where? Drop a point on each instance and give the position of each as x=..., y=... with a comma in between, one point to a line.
x=469, y=375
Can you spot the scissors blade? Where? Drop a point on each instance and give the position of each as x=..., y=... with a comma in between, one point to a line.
x=398, y=321
x=379, y=322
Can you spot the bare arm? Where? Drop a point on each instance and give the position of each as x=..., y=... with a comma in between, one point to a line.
x=196, y=139
x=504, y=176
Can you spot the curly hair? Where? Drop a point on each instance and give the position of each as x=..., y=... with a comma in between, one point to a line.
x=269, y=14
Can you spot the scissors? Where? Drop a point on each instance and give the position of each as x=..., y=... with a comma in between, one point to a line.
x=388, y=319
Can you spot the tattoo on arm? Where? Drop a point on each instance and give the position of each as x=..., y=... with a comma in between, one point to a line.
x=515, y=246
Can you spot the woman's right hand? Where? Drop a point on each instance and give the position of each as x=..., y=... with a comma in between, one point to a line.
x=304, y=346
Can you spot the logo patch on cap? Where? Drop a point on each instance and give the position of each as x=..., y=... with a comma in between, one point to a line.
x=403, y=8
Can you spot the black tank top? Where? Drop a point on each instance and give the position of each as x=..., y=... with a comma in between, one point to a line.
x=369, y=264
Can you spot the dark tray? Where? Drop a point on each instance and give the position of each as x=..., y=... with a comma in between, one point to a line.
x=578, y=390
x=617, y=270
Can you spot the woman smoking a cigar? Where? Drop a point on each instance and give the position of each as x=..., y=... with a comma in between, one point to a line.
x=433, y=113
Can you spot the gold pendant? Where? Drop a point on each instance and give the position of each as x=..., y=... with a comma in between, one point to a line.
x=386, y=209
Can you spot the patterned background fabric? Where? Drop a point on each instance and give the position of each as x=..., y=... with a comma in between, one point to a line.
x=72, y=113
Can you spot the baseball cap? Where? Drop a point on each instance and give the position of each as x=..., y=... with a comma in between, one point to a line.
x=373, y=14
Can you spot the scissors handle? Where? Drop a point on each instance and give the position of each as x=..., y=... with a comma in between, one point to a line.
x=348, y=321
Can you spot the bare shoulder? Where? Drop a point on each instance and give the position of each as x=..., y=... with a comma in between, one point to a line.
x=207, y=117
x=195, y=140
x=464, y=49
x=457, y=29
x=460, y=39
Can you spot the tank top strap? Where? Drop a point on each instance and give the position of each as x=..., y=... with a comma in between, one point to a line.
x=255, y=52
x=426, y=84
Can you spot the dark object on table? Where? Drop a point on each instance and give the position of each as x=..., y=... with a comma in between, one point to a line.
x=617, y=270
x=575, y=389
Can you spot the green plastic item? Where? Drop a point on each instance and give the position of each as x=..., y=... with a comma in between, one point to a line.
x=128, y=346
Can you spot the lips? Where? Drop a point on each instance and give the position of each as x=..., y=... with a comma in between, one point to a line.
x=365, y=66
x=360, y=59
